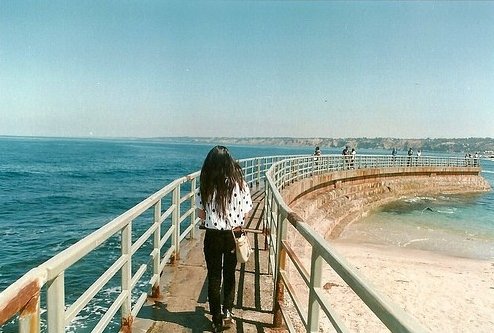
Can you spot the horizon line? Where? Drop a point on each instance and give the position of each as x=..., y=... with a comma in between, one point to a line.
x=232, y=137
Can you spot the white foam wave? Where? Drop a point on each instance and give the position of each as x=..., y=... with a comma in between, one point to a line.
x=415, y=241
x=447, y=211
x=418, y=199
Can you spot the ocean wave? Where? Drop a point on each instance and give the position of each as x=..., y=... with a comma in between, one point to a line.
x=79, y=175
x=98, y=306
x=117, y=172
x=419, y=199
x=450, y=210
x=415, y=241
x=6, y=175
x=9, y=232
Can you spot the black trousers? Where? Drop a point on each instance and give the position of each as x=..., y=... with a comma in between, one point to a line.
x=221, y=260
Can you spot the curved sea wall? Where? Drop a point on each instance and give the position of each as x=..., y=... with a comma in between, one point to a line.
x=342, y=197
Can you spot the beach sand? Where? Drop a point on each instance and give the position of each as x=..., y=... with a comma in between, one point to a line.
x=443, y=293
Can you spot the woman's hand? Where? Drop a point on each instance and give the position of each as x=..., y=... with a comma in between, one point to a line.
x=201, y=213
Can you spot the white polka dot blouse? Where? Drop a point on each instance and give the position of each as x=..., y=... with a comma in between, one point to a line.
x=239, y=205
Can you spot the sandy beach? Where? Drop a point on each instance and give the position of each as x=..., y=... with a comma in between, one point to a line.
x=445, y=294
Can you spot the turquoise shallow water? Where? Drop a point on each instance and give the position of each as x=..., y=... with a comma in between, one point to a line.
x=458, y=225
x=53, y=192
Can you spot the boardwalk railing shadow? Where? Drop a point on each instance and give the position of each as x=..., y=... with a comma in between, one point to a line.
x=190, y=321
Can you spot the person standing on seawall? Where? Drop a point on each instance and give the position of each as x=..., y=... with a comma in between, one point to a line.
x=353, y=155
x=317, y=153
x=346, y=159
x=410, y=154
x=394, y=153
x=224, y=202
x=419, y=153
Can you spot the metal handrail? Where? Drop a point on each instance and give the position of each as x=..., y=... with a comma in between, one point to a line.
x=278, y=216
x=23, y=297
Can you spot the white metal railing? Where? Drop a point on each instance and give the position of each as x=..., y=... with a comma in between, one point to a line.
x=171, y=208
x=279, y=217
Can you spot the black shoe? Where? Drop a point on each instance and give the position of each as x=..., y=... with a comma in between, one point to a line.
x=227, y=318
x=217, y=327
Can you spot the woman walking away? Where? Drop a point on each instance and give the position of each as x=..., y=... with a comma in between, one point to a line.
x=224, y=201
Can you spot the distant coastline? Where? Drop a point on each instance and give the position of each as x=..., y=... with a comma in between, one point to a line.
x=453, y=145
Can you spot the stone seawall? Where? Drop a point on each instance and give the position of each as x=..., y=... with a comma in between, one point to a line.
x=329, y=202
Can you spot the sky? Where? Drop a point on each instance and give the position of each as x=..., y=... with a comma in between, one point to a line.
x=331, y=69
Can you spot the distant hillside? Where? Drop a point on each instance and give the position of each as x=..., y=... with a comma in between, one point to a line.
x=457, y=145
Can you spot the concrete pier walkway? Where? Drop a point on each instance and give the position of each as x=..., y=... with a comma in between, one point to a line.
x=183, y=306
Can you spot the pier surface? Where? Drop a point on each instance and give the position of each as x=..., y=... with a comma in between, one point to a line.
x=183, y=306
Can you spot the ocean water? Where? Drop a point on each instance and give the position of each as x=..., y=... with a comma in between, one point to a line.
x=55, y=191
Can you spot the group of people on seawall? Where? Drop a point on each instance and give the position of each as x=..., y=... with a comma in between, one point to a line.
x=472, y=160
x=348, y=156
x=412, y=158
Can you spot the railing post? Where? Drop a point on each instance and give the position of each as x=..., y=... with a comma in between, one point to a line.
x=155, y=289
x=315, y=282
x=258, y=173
x=193, y=204
x=30, y=322
x=293, y=171
x=55, y=299
x=126, y=249
x=267, y=218
x=279, y=292
x=176, y=223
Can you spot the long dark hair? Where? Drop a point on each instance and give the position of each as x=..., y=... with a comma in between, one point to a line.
x=220, y=174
